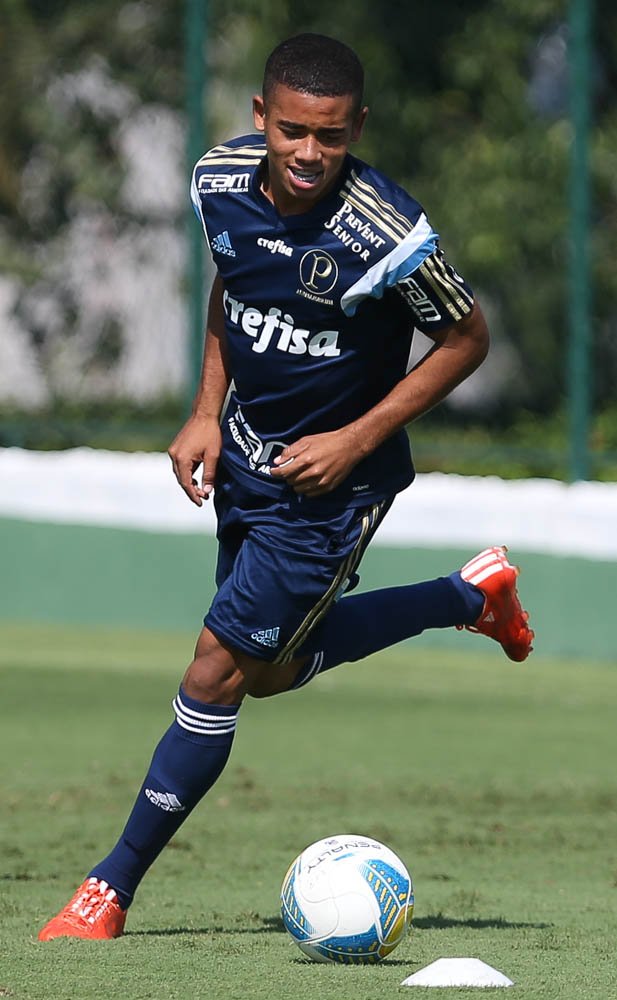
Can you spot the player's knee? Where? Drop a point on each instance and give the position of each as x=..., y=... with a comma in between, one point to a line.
x=214, y=678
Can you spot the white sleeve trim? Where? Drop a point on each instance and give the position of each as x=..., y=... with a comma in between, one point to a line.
x=197, y=202
x=398, y=264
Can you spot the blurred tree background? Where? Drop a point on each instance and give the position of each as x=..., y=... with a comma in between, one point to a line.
x=468, y=110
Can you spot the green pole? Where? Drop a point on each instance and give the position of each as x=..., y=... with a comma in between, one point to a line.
x=579, y=392
x=195, y=76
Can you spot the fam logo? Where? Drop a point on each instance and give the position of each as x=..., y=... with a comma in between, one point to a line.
x=223, y=183
x=417, y=300
x=318, y=274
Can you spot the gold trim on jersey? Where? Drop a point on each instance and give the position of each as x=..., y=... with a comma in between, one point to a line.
x=423, y=269
x=385, y=206
x=231, y=161
x=455, y=299
x=370, y=521
x=229, y=156
x=376, y=219
x=362, y=196
x=462, y=296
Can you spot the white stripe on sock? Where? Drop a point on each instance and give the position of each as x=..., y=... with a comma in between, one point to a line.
x=221, y=724
x=202, y=722
x=204, y=732
x=202, y=715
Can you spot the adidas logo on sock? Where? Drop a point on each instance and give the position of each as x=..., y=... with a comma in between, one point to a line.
x=165, y=800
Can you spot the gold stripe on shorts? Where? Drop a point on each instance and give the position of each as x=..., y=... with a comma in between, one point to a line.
x=369, y=523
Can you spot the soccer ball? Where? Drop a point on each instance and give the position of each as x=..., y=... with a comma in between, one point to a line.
x=347, y=899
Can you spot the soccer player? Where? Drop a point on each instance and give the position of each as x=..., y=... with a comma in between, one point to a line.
x=324, y=269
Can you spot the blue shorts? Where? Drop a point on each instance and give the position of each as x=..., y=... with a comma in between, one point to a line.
x=281, y=565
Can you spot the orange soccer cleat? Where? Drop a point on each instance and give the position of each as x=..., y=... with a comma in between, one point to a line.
x=93, y=913
x=502, y=617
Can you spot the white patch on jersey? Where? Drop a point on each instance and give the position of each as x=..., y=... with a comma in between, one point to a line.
x=399, y=263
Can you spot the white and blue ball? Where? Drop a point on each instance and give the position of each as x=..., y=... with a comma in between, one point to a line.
x=347, y=899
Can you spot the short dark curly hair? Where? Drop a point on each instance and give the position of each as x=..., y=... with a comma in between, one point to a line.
x=316, y=65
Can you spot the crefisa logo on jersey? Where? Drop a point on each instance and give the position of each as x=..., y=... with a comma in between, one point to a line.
x=278, y=330
x=318, y=274
x=275, y=246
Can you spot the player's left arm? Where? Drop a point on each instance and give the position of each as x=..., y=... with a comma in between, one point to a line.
x=318, y=463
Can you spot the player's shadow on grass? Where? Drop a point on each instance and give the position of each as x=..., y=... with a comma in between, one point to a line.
x=274, y=925
x=267, y=925
x=439, y=921
x=386, y=963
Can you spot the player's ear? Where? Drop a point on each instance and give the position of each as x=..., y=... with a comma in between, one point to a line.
x=259, y=113
x=358, y=124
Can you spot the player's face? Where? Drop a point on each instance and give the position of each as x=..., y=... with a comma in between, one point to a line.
x=307, y=139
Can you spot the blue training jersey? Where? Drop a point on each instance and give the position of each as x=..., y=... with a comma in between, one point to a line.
x=320, y=310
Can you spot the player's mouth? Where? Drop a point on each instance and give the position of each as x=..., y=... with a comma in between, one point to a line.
x=305, y=180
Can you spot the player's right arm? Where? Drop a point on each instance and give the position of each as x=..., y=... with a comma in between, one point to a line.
x=199, y=441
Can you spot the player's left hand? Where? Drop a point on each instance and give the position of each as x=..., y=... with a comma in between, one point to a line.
x=318, y=463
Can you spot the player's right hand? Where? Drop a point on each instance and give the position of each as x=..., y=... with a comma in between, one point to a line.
x=197, y=443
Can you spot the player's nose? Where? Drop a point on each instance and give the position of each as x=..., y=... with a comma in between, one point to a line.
x=309, y=151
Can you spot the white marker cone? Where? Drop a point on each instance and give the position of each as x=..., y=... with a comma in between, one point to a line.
x=458, y=972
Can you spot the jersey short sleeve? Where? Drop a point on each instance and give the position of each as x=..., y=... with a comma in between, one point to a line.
x=409, y=259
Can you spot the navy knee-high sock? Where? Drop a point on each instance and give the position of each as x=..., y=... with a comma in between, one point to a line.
x=364, y=623
x=186, y=763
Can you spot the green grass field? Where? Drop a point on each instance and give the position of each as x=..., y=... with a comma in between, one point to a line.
x=495, y=782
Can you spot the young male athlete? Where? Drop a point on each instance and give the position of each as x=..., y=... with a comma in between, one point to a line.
x=325, y=266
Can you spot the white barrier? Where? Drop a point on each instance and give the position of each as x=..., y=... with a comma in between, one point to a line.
x=84, y=486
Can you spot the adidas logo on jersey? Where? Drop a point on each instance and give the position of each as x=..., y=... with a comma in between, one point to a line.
x=165, y=800
x=267, y=637
x=222, y=244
